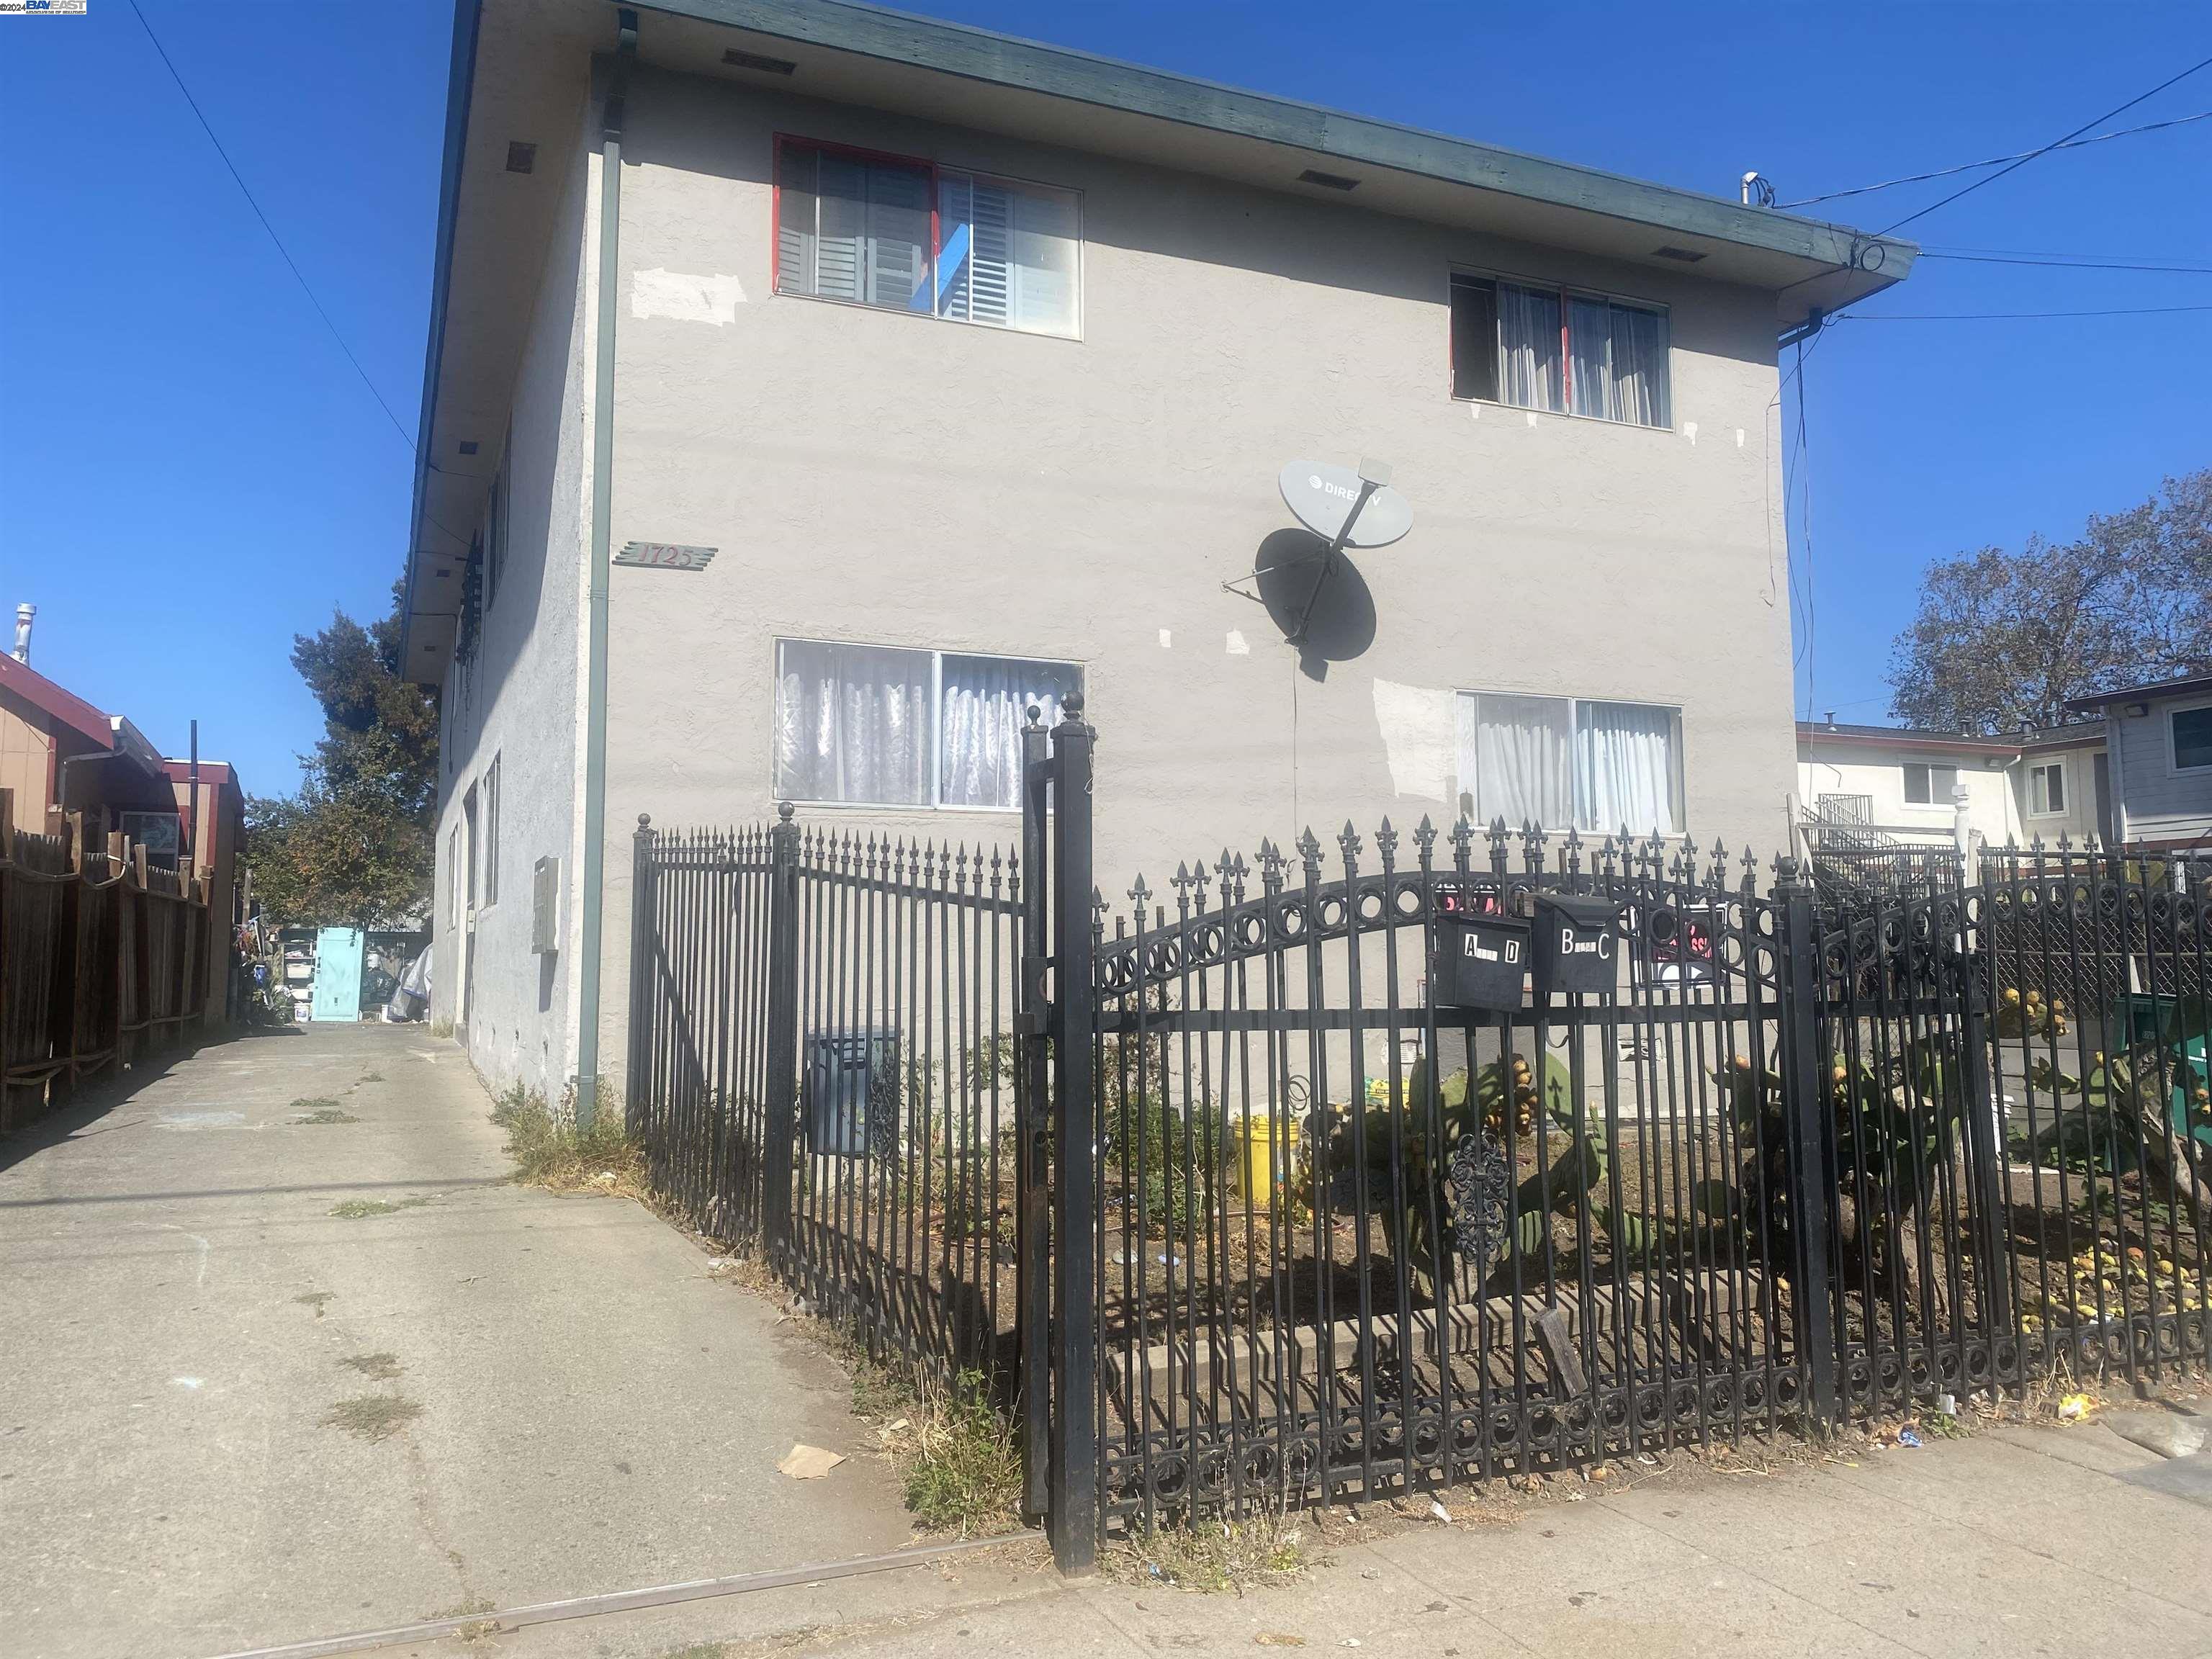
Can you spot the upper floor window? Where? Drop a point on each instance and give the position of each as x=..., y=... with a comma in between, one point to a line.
x=909, y=235
x=1929, y=786
x=1553, y=349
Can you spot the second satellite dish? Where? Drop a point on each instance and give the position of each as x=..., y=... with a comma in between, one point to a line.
x=1323, y=495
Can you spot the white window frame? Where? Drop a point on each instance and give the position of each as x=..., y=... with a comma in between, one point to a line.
x=1679, y=787
x=2065, y=788
x=936, y=170
x=1567, y=291
x=1931, y=768
x=936, y=803
x=488, y=887
x=2174, y=768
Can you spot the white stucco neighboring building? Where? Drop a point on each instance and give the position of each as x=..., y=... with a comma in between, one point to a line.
x=813, y=386
x=1901, y=783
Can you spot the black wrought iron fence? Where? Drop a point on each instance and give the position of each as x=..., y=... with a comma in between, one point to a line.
x=825, y=1058
x=1410, y=1159
x=1354, y=1238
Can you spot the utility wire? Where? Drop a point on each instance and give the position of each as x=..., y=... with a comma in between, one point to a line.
x=292, y=263
x=1999, y=161
x=2015, y=165
x=2054, y=263
x=2000, y=316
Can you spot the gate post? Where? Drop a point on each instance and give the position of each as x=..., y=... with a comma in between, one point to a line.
x=1073, y=1520
x=1806, y=1128
x=780, y=1093
x=644, y=928
x=1033, y=1084
x=1983, y=1110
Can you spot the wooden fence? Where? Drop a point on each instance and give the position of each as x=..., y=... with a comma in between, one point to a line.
x=103, y=959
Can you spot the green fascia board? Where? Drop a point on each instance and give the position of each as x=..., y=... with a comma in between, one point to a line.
x=1056, y=72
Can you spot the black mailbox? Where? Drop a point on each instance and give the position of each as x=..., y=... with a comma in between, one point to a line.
x=851, y=1092
x=1577, y=943
x=1482, y=961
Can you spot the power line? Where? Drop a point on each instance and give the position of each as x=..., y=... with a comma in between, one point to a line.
x=2053, y=253
x=2054, y=263
x=2000, y=316
x=2015, y=165
x=1998, y=160
x=292, y=263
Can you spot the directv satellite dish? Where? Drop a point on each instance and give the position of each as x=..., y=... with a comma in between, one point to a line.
x=1345, y=508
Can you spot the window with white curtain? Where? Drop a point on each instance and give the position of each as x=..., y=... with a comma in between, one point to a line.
x=1534, y=347
x=1599, y=766
x=859, y=228
x=891, y=726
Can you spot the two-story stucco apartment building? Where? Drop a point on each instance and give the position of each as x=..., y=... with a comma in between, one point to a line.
x=975, y=362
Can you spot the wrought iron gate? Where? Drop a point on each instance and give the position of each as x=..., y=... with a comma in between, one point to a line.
x=1230, y=1211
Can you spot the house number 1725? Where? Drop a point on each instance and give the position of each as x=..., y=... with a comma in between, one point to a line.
x=664, y=555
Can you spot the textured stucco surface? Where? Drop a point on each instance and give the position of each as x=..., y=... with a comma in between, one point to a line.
x=1849, y=769
x=876, y=477
x=518, y=699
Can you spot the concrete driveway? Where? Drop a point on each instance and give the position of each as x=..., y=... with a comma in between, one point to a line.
x=264, y=1379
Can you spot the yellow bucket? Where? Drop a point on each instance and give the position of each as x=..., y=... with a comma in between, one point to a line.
x=1260, y=1141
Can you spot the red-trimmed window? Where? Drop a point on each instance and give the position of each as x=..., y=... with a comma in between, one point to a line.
x=905, y=235
x=1532, y=347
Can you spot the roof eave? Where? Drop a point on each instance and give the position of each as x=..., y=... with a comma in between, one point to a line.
x=1057, y=72
x=460, y=85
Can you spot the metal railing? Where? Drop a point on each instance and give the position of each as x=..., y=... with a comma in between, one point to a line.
x=1240, y=1206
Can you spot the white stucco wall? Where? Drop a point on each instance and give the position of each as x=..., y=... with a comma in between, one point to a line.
x=1850, y=767
x=2079, y=822
x=889, y=478
x=519, y=700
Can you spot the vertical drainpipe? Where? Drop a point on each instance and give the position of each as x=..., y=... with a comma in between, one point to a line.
x=603, y=466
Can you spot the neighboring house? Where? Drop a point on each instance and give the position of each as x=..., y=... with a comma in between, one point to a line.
x=2159, y=738
x=1900, y=783
x=213, y=820
x=59, y=755
x=975, y=362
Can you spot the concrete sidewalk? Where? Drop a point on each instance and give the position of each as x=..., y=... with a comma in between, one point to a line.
x=190, y=1290
x=2017, y=1541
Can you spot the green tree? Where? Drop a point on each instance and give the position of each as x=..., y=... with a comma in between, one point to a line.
x=2005, y=639
x=353, y=849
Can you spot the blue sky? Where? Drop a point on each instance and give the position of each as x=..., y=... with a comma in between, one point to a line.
x=191, y=473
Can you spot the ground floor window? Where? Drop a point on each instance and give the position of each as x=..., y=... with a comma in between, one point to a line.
x=1598, y=765
x=2046, y=789
x=889, y=725
x=2193, y=739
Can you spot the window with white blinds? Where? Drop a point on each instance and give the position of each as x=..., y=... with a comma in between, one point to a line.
x=859, y=228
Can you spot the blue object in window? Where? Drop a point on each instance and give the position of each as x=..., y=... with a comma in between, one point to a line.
x=952, y=260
